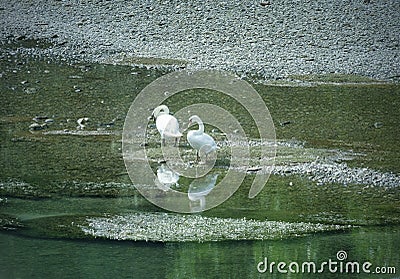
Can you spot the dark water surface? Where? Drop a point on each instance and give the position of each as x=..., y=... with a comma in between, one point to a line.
x=25, y=257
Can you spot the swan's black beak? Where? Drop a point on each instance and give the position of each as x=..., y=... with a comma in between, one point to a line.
x=152, y=118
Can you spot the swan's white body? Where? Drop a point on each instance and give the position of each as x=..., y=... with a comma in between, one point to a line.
x=166, y=124
x=200, y=140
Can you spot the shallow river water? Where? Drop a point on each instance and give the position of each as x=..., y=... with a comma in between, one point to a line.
x=337, y=165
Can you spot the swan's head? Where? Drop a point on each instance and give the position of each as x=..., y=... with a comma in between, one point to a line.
x=163, y=109
x=194, y=119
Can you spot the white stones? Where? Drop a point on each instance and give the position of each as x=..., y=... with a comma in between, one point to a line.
x=163, y=227
x=331, y=172
x=241, y=36
x=36, y=126
x=82, y=122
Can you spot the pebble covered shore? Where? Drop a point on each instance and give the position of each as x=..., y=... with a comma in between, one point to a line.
x=163, y=227
x=271, y=39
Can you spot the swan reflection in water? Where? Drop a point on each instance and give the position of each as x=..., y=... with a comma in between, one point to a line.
x=166, y=178
x=199, y=189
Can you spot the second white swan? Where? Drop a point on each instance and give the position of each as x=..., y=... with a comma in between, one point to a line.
x=200, y=140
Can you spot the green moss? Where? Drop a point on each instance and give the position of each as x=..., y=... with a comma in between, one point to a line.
x=56, y=227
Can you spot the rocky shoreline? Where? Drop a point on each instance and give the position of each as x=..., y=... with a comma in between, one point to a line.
x=276, y=39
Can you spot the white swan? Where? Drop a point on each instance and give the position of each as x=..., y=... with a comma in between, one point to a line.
x=200, y=140
x=166, y=124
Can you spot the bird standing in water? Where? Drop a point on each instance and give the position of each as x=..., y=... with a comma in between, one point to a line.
x=167, y=125
x=200, y=140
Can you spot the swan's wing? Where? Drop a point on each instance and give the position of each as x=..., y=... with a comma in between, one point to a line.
x=168, y=126
x=198, y=141
x=209, y=140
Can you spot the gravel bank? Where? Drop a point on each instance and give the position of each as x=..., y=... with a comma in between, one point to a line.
x=324, y=173
x=163, y=227
x=278, y=39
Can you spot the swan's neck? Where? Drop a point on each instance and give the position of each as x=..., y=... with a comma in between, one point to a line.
x=161, y=110
x=201, y=127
